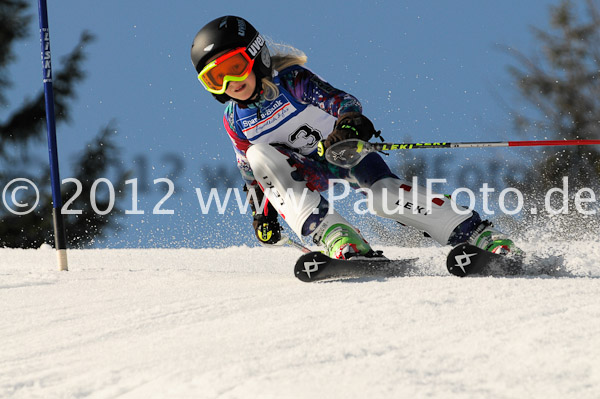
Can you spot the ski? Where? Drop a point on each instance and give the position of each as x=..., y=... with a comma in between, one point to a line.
x=464, y=260
x=316, y=266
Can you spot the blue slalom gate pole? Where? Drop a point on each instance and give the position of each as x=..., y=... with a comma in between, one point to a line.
x=60, y=238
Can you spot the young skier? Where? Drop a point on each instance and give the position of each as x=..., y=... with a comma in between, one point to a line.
x=277, y=113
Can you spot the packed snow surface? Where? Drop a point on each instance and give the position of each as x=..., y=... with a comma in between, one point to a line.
x=236, y=323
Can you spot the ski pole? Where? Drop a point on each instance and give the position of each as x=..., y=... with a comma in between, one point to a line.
x=60, y=240
x=286, y=240
x=297, y=245
x=349, y=153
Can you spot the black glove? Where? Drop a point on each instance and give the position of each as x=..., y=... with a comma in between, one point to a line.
x=351, y=125
x=266, y=224
x=267, y=228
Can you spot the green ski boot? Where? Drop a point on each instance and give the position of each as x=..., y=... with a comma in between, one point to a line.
x=490, y=239
x=343, y=242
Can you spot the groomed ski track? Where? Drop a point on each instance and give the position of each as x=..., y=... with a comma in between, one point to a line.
x=235, y=323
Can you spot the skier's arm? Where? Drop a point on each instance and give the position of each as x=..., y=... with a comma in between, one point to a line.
x=240, y=145
x=264, y=217
x=307, y=87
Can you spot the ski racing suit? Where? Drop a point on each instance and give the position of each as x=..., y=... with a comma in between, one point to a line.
x=275, y=142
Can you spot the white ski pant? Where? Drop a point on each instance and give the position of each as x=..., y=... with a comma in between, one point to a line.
x=389, y=197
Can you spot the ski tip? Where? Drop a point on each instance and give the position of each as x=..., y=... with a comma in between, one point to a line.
x=310, y=265
x=464, y=260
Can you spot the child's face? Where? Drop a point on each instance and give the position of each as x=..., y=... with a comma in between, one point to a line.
x=239, y=90
x=242, y=90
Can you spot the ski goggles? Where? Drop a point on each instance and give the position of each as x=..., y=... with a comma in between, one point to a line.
x=234, y=66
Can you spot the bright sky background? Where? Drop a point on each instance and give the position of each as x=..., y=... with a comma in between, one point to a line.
x=428, y=70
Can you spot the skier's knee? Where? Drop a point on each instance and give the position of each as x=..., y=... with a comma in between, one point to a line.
x=266, y=161
x=258, y=152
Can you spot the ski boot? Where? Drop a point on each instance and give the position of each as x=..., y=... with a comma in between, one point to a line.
x=486, y=237
x=341, y=240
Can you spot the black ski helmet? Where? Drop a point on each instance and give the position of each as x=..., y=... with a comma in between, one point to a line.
x=227, y=33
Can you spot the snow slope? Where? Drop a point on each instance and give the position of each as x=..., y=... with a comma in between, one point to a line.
x=235, y=323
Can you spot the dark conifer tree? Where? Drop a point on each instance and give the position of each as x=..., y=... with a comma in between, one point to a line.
x=23, y=130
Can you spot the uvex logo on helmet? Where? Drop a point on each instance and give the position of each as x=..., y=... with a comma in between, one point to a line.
x=256, y=45
x=241, y=25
